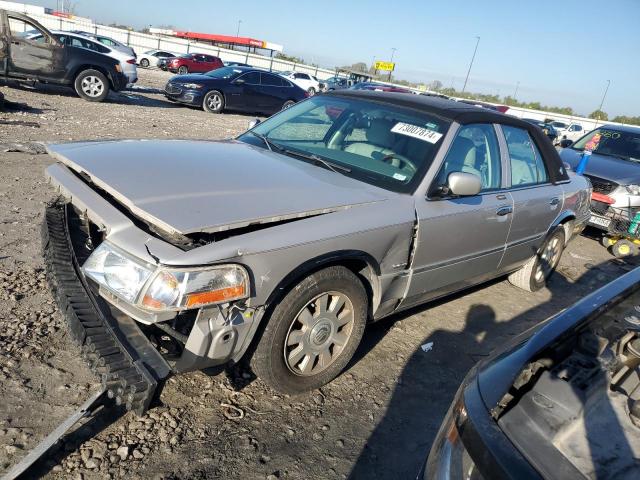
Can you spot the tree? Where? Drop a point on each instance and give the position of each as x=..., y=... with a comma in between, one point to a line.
x=626, y=119
x=435, y=85
x=289, y=58
x=599, y=115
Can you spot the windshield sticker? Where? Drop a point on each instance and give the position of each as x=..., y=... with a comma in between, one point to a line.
x=432, y=126
x=399, y=176
x=414, y=131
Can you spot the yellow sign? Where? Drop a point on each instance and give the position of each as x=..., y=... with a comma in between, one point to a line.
x=386, y=66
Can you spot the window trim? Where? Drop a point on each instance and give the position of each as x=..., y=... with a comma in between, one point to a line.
x=48, y=39
x=248, y=73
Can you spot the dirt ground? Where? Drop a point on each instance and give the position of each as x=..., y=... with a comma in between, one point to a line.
x=377, y=420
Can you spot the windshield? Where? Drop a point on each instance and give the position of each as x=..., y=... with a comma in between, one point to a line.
x=378, y=143
x=224, y=72
x=615, y=143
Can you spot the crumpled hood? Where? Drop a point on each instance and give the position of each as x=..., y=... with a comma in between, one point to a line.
x=623, y=172
x=187, y=186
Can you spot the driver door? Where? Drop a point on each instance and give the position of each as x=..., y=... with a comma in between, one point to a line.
x=40, y=55
x=461, y=239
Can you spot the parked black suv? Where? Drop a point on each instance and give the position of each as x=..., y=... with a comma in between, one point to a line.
x=45, y=59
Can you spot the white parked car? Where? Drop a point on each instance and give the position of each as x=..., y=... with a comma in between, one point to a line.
x=571, y=131
x=152, y=57
x=304, y=80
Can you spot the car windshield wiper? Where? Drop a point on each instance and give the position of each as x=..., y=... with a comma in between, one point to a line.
x=270, y=145
x=315, y=158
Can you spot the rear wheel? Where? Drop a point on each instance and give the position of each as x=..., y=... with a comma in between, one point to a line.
x=311, y=91
x=288, y=104
x=92, y=85
x=533, y=275
x=313, y=332
x=144, y=63
x=183, y=70
x=213, y=102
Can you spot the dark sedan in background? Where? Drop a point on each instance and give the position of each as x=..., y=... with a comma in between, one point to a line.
x=235, y=88
x=559, y=403
x=548, y=129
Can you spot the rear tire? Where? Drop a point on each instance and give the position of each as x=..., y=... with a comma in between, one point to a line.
x=91, y=85
x=183, y=70
x=311, y=91
x=533, y=275
x=144, y=63
x=312, y=332
x=213, y=102
x=288, y=104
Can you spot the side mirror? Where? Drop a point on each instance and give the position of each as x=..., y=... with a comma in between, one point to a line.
x=565, y=143
x=239, y=81
x=464, y=184
x=253, y=123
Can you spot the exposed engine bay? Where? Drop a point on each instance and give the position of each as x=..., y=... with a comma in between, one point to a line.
x=575, y=410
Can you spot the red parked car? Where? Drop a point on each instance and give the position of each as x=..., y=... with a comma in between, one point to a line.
x=194, y=63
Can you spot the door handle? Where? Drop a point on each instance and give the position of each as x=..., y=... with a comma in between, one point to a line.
x=501, y=196
x=554, y=201
x=506, y=210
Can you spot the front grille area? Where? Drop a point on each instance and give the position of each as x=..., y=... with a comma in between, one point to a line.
x=172, y=89
x=600, y=185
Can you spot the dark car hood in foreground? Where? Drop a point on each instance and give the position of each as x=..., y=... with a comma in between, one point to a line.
x=198, y=186
x=614, y=169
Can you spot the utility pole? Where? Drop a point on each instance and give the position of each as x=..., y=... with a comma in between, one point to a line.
x=471, y=64
x=603, y=97
x=238, y=31
x=393, y=51
x=516, y=92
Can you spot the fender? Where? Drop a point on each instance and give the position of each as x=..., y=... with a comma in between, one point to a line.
x=564, y=218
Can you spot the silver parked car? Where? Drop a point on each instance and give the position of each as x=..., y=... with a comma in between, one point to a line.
x=280, y=245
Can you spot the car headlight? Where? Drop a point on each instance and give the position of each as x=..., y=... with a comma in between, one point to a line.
x=633, y=189
x=192, y=85
x=163, y=288
x=449, y=459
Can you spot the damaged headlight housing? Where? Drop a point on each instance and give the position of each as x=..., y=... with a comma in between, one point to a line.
x=163, y=288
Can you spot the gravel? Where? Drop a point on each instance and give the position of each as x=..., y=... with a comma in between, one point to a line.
x=377, y=420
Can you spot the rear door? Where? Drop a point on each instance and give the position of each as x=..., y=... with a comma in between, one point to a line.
x=536, y=201
x=246, y=94
x=40, y=56
x=272, y=91
x=461, y=239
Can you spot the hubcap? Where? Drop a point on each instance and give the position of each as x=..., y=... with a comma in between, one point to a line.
x=548, y=259
x=319, y=333
x=214, y=101
x=92, y=86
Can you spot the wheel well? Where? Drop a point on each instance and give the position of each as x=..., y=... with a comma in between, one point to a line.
x=567, y=224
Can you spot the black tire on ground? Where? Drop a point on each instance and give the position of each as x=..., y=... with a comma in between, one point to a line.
x=288, y=104
x=183, y=70
x=311, y=91
x=623, y=248
x=272, y=359
x=91, y=85
x=144, y=63
x=533, y=275
x=213, y=102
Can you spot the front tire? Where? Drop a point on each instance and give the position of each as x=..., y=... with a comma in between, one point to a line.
x=183, y=70
x=311, y=91
x=213, y=102
x=313, y=332
x=91, y=85
x=533, y=275
x=144, y=63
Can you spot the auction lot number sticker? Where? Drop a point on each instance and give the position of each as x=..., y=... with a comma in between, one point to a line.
x=414, y=131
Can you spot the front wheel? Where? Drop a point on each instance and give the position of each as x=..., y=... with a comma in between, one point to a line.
x=92, y=85
x=313, y=332
x=183, y=70
x=311, y=91
x=213, y=102
x=533, y=275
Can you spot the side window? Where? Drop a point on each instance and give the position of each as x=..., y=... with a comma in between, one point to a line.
x=107, y=41
x=474, y=150
x=270, y=80
x=25, y=30
x=527, y=166
x=251, y=78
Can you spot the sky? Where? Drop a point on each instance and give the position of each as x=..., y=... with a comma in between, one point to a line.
x=562, y=53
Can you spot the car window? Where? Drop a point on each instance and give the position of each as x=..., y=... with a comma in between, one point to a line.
x=474, y=150
x=107, y=41
x=26, y=30
x=271, y=80
x=527, y=166
x=621, y=144
x=251, y=78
